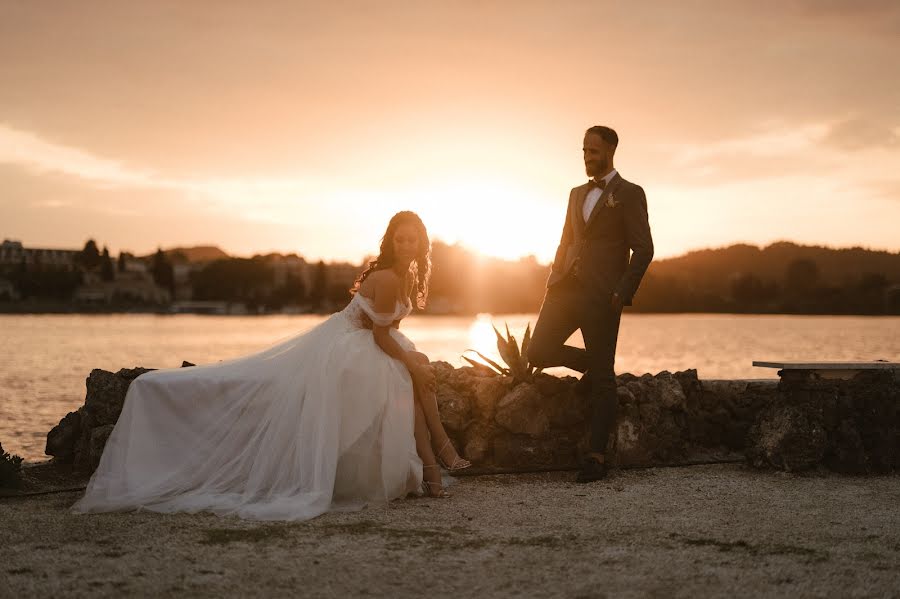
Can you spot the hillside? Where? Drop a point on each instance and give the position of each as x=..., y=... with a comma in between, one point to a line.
x=835, y=266
x=199, y=253
x=782, y=277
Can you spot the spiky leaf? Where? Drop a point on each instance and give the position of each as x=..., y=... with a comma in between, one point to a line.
x=480, y=366
x=526, y=341
x=496, y=366
x=513, y=346
x=503, y=347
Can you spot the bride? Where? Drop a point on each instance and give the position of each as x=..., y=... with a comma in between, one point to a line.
x=331, y=419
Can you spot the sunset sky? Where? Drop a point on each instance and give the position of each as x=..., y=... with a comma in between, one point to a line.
x=303, y=126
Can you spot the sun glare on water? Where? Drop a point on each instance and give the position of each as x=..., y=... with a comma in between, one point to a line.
x=482, y=338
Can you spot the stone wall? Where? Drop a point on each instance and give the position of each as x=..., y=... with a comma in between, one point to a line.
x=663, y=419
x=500, y=425
x=850, y=426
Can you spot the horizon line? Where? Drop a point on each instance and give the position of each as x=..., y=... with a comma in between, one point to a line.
x=475, y=252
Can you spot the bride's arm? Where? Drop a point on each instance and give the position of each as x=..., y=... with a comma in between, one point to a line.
x=386, y=288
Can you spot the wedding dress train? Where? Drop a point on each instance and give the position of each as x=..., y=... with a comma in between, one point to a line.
x=321, y=421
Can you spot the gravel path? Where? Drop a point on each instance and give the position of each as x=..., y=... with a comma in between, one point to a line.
x=709, y=531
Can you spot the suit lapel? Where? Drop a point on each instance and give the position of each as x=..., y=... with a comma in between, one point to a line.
x=611, y=187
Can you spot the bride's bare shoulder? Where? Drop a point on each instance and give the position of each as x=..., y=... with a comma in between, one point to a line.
x=380, y=284
x=381, y=278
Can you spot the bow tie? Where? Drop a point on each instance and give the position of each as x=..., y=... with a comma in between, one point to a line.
x=601, y=184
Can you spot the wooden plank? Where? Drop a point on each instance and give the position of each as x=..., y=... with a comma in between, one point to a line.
x=877, y=365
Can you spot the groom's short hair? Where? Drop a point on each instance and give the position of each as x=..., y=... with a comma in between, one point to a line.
x=607, y=134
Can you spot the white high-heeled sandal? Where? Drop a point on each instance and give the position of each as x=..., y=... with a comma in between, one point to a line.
x=458, y=462
x=428, y=487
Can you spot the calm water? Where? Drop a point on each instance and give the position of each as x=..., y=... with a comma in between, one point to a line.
x=46, y=358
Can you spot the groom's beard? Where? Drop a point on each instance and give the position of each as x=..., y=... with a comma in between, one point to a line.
x=596, y=167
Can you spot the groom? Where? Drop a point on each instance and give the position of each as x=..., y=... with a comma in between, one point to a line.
x=592, y=278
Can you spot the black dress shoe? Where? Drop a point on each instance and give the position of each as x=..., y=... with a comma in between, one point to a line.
x=591, y=470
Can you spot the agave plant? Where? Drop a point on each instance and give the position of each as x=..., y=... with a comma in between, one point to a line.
x=516, y=360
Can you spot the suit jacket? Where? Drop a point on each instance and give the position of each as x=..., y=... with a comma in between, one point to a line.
x=597, y=251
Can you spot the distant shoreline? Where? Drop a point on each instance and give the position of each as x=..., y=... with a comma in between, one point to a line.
x=16, y=309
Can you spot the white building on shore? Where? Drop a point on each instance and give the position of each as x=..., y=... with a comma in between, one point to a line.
x=13, y=253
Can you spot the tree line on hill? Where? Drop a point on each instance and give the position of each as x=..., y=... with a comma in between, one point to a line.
x=780, y=278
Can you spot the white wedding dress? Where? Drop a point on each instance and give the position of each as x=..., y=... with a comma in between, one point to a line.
x=322, y=421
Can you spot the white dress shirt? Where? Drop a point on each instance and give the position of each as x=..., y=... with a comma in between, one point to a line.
x=593, y=195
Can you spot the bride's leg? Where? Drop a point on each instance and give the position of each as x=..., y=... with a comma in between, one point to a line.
x=423, y=447
x=423, y=439
x=427, y=401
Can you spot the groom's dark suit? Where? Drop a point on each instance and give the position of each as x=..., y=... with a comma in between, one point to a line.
x=591, y=264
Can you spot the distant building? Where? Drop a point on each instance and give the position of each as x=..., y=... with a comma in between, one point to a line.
x=8, y=291
x=131, y=285
x=134, y=265
x=132, y=282
x=184, y=291
x=12, y=253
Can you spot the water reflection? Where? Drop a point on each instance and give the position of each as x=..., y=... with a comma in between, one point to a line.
x=45, y=358
x=481, y=335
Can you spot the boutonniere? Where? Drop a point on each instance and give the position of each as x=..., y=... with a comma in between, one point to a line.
x=611, y=201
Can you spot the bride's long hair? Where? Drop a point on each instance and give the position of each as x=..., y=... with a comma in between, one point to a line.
x=421, y=265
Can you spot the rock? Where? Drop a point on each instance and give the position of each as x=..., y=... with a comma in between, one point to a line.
x=787, y=438
x=73, y=439
x=524, y=410
x=521, y=452
x=721, y=412
x=106, y=394
x=849, y=451
x=566, y=409
x=488, y=392
x=455, y=409
x=630, y=448
x=61, y=441
x=550, y=386
x=850, y=426
x=476, y=443
x=689, y=381
x=667, y=391
x=98, y=440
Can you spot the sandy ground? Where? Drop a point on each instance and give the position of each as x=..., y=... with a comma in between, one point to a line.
x=701, y=531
